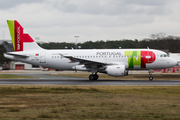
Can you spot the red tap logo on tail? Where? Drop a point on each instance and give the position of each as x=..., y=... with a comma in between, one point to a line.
x=18, y=35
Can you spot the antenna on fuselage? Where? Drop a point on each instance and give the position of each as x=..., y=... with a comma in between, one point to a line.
x=147, y=47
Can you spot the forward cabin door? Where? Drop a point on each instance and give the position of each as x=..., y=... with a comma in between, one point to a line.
x=43, y=57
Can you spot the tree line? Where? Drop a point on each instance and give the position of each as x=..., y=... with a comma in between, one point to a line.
x=170, y=43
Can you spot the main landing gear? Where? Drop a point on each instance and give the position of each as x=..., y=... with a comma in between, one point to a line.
x=93, y=77
x=150, y=75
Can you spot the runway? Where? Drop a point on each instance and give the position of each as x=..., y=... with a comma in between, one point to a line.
x=85, y=81
x=46, y=78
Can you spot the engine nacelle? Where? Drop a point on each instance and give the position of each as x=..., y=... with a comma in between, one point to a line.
x=116, y=70
x=81, y=68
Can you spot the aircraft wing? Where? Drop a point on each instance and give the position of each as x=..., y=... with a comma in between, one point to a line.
x=85, y=61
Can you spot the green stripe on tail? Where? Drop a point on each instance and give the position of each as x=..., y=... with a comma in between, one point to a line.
x=12, y=29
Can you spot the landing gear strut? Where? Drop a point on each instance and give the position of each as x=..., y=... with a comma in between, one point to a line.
x=150, y=75
x=93, y=77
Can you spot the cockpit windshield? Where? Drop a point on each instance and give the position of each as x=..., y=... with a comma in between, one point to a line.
x=164, y=55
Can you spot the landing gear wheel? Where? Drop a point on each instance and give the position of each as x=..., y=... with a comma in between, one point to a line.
x=93, y=77
x=150, y=78
x=150, y=75
x=96, y=77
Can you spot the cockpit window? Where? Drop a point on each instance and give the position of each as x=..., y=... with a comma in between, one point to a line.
x=164, y=55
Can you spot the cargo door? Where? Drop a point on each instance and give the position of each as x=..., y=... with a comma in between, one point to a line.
x=43, y=57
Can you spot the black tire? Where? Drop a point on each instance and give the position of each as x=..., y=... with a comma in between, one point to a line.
x=91, y=77
x=150, y=78
x=96, y=77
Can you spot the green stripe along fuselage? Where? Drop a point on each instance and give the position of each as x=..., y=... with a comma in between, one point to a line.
x=134, y=58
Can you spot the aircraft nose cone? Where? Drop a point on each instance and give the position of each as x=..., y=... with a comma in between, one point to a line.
x=174, y=62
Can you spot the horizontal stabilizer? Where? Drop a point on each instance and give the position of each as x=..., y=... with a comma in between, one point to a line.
x=17, y=54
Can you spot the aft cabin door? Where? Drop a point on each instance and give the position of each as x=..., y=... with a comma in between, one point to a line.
x=43, y=57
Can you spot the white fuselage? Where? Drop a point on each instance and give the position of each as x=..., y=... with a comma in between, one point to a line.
x=54, y=58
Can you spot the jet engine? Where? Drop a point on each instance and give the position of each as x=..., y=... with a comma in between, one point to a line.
x=116, y=70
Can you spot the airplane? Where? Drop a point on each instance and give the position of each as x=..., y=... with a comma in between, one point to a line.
x=113, y=62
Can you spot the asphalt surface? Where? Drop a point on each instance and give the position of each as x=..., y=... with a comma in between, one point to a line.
x=46, y=78
x=85, y=81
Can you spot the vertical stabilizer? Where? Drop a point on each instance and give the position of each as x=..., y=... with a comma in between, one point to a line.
x=21, y=40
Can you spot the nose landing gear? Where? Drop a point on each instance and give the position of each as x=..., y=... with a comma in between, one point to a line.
x=150, y=78
x=150, y=75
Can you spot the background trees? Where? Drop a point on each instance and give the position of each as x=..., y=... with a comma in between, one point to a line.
x=172, y=43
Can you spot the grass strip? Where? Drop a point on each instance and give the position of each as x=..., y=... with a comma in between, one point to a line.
x=8, y=76
x=89, y=102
